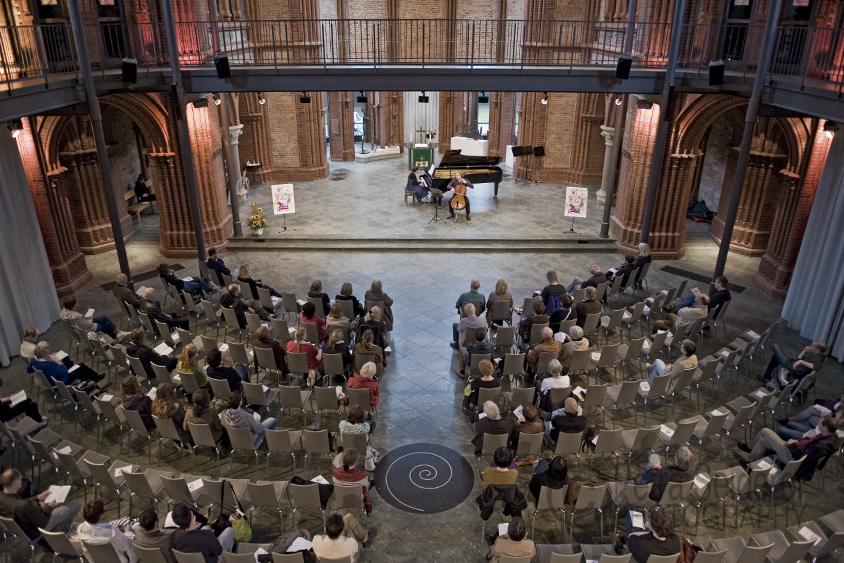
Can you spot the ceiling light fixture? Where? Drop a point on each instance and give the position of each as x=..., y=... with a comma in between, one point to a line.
x=483, y=99
x=423, y=99
x=304, y=98
x=830, y=128
x=16, y=126
x=261, y=99
x=545, y=99
x=618, y=100
x=217, y=100
x=362, y=98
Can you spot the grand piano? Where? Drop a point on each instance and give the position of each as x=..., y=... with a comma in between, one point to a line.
x=476, y=169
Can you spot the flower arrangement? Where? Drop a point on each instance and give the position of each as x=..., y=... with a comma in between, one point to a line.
x=431, y=133
x=257, y=221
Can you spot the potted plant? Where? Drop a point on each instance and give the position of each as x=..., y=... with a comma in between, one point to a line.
x=257, y=221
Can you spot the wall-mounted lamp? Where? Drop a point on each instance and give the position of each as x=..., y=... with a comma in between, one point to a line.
x=830, y=128
x=15, y=126
x=304, y=98
x=217, y=100
x=423, y=99
x=618, y=100
x=261, y=99
x=545, y=99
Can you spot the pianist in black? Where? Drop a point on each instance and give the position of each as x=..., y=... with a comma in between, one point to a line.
x=417, y=185
x=459, y=179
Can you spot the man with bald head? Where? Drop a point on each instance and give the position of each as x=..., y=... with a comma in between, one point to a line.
x=548, y=344
x=597, y=278
x=122, y=291
x=475, y=298
x=469, y=322
x=568, y=420
x=233, y=300
x=152, y=308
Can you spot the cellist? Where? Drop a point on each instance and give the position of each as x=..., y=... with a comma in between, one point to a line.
x=459, y=180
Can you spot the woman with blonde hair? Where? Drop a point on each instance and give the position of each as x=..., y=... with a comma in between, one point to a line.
x=337, y=345
x=165, y=406
x=317, y=293
x=367, y=347
x=244, y=276
x=500, y=294
x=30, y=339
x=366, y=380
x=347, y=294
x=377, y=294
x=373, y=321
x=189, y=363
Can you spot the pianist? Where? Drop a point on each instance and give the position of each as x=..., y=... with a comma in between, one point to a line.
x=415, y=184
x=459, y=179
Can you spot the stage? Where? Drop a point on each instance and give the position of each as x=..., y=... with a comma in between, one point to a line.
x=361, y=207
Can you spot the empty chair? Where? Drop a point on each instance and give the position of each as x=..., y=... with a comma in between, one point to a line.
x=291, y=396
x=316, y=442
x=737, y=550
x=185, y=488
x=776, y=477
x=569, y=443
x=148, y=484
x=606, y=442
x=202, y=436
x=241, y=439
x=550, y=499
x=519, y=396
x=111, y=477
x=489, y=394
x=741, y=483
x=257, y=394
x=595, y=395
x=513, y=366
x=626, y=494
x=717, y=487
x=590, y=498
x=149, y=554
x=638, y=440
x=654, y=389
x=707, y=428
x=604, y=359
x=675, y=495
x=60, y=544
x=269, y=496
x=305, y=496
x=326, y=399
x=350, y=496
x=624, y=392
x=136, y=424
x=824, y=544
x=79, y=469
x=782, y=551
x=672, y=433
x=225, y=493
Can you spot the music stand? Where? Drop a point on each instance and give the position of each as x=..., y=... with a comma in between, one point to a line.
x=436, y=194
x=538, y=152
x=525, y=151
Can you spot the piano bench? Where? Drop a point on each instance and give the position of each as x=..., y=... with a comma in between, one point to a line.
x=409, y=194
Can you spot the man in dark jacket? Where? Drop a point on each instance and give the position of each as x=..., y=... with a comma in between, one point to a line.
x=121, y=291
x=680, y=471
x=814, y=448
x=233, y=300
x=490, y=422
x=234, y=376
x=597, y=278
x=152, y=309
x=192, y=284
x=565, y=420
x=216, y=265
x=588, y=307
x=137, y=349
x=33, y=513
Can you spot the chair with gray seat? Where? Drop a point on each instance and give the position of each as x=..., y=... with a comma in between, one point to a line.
x=316, y=442
x=184, y=488
x=590, y=498
x=61, y=544
x=626, y=494
x=267, y=495
x=111, y=477
x=292, y=397
x=241, y=439
x=225, y=493
x=737, y=550
x=823, y=544
x=550, y=499
x=149, y=554
x=305, y=496
x=148, y=484
x=202, y=436
x=11, y=527
x=782, y=551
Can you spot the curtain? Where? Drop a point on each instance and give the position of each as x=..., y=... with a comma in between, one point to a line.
x=27, y=293
x=424, y=116
x=815, y=301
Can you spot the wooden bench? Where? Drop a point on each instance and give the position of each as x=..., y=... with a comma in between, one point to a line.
x=139, y=206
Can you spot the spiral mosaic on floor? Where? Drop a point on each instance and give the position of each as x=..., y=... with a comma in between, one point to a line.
x=424, y=478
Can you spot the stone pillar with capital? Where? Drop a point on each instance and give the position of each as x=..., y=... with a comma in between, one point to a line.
x=235, y=131
x=608, y=133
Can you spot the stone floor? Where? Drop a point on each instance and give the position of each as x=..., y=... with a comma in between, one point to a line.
x=420, y=395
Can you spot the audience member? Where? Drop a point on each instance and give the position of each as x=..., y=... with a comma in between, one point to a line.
x=644, y=257
x=687, y=361
x=235, y=375
x=577, y=344
x=500, y=294
x=56, y=370
x=372, y=321
x=244, y=275
x=28, y=342
x=588, y=306
x=346, y=294
x=190, y=284
x=681, y=471
x=683, y=321
x=367, y=347
x=564, y=313
x=567, y=420
x=348, y=470
x=236, y=417
x=355, y=422
x=486, y=381
x=532, y=424
x=538, y=317
x=27, y=407
x=552, y=294
x=718, y=295
x=556, y=381
x=656, y=539
x=513, y=543
x=317, y=293
x=810, y=359
x=310, y=316
x=165, y=406
x=33, y=513
x=472, y=296
x=152, y=308
x=202, y=413
x=99, y=533
x=490, y=422
x=189, y=363
x=624, y=270
x=135, y=400
x=502, y=471
x=548, y=345
x=122, y=291
x=82, y=325
x=148, y=534
x=216, y=265
x=263, y=340
x=190, y=538
x=594, y=281
x=142, y=191
x=299, y=345
x=482, y=346
x=376, y=294
x=335, y=318
x=232, y=300
x=552, y=475
x=366, y=380
x=807, y=421
x=814, y=448
x=137, y=348
x=468, y=322
x=342, y=534
x=337, y=345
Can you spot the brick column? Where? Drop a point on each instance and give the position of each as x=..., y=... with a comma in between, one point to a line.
x=502, y=114
x=762, y=184
x=450, y=105
x=341, y=126
x=795, y=202
x=390, y=118
x=52, y=206
x=532, y=114
x=256, y=142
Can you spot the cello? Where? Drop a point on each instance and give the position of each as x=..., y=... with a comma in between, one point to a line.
x=458, y=202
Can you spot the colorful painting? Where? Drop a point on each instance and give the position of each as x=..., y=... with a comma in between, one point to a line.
x=283, y=199
x=576, y=202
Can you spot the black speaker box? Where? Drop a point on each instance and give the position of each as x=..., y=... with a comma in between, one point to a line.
x=716, y=73
x=622, y=69
x=130, y=70
x=539, y=151
x=221, y=63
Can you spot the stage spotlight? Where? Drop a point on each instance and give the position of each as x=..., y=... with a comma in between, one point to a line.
x=830, y=128
x=221, y=64
x=201, y=103
x=261, y=99
x=129, y=70
x=423, y=99
x=622, y=69
x=16, y=126
x=305, y=98
x=644, y=104
x=545, y=99
x=716, y=73
x=362, y=98
x=217, y=100
x=618, y=100
x=483, y=99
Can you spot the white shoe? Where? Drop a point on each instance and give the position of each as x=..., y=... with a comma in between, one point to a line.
x=122, y=334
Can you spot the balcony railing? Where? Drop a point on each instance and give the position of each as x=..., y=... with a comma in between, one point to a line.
x=801, y=55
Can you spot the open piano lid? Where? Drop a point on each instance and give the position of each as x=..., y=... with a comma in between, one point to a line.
x=454, y=158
